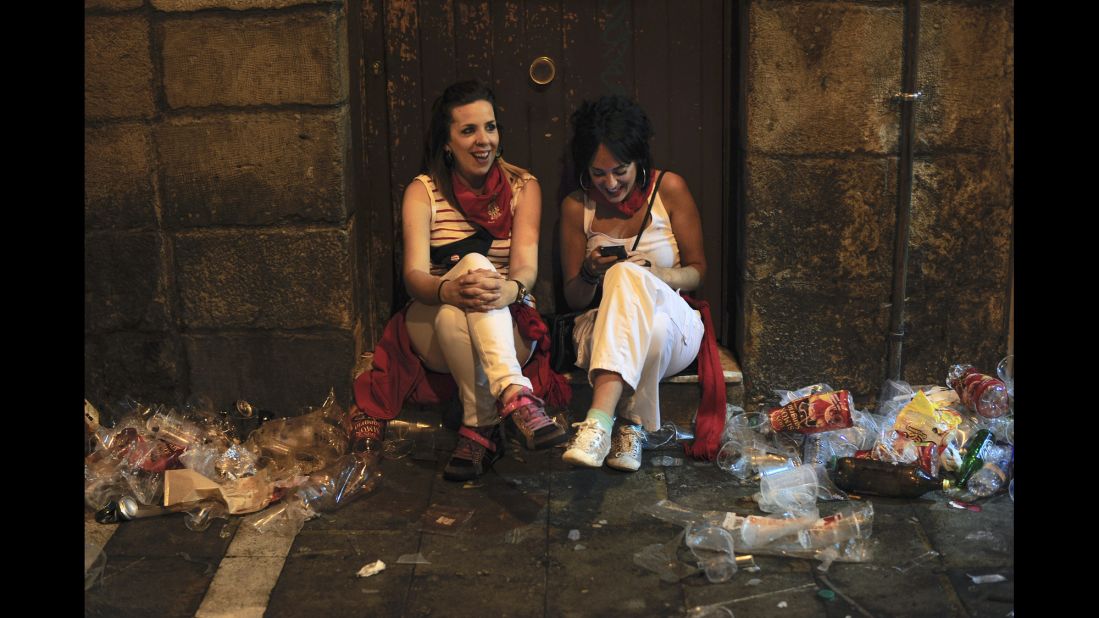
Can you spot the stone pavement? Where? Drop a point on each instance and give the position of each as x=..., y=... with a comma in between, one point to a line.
x=514, y=557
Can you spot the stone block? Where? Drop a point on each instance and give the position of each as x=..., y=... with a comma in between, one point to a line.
x=142, y=365
x=235, y=5
x=244, y=169
x=962, y=217
x=966, y=72
x=820, y=221
x=820, y=76
x=944, y=328
x=284, y=373
x=801, y=335
x=122, y=282
x=113, y=5
x=266, y=59
x=118, y=69
x=118, y=177
x=276, y=279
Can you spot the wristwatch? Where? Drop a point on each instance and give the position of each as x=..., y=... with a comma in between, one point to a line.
x=521, y=293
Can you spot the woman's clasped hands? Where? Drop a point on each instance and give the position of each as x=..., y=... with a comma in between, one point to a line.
x=478, y=290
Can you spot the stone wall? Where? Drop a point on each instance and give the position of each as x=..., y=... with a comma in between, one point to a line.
x=821, y=157
x=218, y=202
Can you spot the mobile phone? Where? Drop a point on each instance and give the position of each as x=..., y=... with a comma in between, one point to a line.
x=617, y=251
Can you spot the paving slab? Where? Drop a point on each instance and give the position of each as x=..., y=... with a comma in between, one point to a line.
x=320, y=574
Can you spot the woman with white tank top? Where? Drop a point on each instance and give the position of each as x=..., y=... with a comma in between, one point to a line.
x=641, y=330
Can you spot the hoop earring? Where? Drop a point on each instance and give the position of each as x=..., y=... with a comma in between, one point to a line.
x=644, y=176
x=580, y=180
x=499, y=152
x=448, y=158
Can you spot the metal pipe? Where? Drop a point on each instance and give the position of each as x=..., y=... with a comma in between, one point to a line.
x=907, y=99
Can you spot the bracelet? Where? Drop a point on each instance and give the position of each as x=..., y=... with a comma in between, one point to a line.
x=439, y=292
x=589, y=277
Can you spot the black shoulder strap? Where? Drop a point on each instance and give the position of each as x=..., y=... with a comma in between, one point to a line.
x=648, y=211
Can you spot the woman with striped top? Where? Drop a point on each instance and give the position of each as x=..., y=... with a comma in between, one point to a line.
x=470, y=227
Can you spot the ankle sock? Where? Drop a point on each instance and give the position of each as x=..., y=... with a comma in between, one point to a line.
x=606, y=421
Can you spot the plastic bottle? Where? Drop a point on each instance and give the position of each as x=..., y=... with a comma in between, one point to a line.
x=992, y=476
x=973, y=458
x=880, y=478
x=984, y=394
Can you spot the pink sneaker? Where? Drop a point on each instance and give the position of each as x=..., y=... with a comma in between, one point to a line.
x=526, y=420
x=478, y=448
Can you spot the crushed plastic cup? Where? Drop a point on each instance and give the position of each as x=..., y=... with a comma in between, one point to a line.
x=661, y=559
x=732, y=459
x=794, y=489
x=847, y=523
x=712, y=546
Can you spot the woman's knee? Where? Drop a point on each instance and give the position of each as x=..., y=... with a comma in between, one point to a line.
x=473, y=261
x=450, y=323
x=622, y=271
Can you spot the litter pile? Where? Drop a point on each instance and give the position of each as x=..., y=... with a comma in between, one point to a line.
x=157, y=460
x=816, y=446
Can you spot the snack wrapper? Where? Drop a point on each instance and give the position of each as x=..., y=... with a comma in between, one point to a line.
x=923, y=421
x=815, y=413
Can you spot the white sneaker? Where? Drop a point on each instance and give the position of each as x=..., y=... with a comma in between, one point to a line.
x=626, y=444
x=590, y=446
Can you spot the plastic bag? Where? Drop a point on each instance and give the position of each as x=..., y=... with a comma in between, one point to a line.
x=302, y=444
x=785, y=397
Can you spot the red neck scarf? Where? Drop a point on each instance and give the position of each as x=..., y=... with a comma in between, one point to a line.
x=629, y=206
x=492, y=209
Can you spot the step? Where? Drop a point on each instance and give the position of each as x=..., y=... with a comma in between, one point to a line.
x=679, y=394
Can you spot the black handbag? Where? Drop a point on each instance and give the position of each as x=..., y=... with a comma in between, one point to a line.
x=449, y=254
x=563, y=352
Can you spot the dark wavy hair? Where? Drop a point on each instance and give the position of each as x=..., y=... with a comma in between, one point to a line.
x=619, y=124
x=438, y=134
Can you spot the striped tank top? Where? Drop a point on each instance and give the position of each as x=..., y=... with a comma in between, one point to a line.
x=448, y=224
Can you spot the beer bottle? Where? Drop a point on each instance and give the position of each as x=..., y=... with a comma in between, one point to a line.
x=973, y=456
x=882, y=478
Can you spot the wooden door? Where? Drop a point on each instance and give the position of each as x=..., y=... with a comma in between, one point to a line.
x=672, y=56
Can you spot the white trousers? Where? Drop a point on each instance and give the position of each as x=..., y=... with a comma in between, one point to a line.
x=480, y=350
x=642, y=330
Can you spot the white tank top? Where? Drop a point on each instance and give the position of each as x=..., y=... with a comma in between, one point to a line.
x=657, y=240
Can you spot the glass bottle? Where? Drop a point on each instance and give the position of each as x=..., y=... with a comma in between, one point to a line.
x=881, y=478
x=973, y=456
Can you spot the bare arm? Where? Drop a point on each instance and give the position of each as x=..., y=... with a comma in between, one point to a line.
x=525, y=228
x=687, y=228
x=416, y=230
x=575, y=256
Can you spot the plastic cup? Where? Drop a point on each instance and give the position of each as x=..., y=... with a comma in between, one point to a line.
x=794, y=489
x=1006, y=372
x=743, y=425
x=712, y=546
